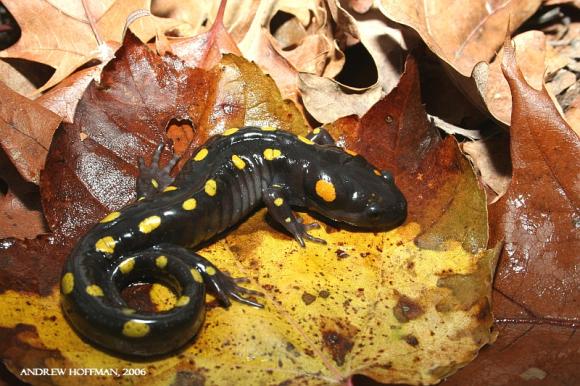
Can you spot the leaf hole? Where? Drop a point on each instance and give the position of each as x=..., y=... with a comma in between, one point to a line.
x=181, y=133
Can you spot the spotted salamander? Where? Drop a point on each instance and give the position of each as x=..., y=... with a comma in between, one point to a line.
x=150, y=240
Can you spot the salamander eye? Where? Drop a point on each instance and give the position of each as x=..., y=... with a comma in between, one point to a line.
x=374, y=212
x=387, y=176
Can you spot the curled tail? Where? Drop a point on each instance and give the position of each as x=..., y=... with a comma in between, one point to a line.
x=92, y=302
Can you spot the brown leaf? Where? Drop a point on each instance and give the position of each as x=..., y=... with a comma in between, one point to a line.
x=32, y=266
x=495, y=89
x=327, y=100
x=536, y=287
x=20, y=212
x=64, y=97
x=491, y=158
x=71, y=41
x=26, y=129
x=461, y=35
x=205, y=50
x=15, y=80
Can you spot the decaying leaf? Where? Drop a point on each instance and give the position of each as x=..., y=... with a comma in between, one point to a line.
x=71, y=41
x=327, y=100
x=26, y=130
x=205, y=50
x=494, y=88
x=536, y=285
x=64, y=97
x=461, y=35
x=464, y=36
x=20, y=212
x=491, y=158
x=410, y=305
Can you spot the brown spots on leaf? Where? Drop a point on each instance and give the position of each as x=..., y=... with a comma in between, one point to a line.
x=407, y=309
x=188, y=378
x=411, y=340
x=308, y=298
x=341, y=254
x=338, y=338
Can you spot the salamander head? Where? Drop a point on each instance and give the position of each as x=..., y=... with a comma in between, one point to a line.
x=354, y=192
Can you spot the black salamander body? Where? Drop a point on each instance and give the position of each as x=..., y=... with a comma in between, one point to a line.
x=228, y=178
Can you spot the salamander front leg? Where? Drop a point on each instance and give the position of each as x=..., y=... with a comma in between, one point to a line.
x=280, y=210
x=321, y=137
x=153, y=179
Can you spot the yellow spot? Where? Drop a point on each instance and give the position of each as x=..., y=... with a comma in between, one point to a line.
x=268, y=128
x=279, y=201
x=196, y=275
x=128, y=311
x=325, y=190
x=210, y=271
x=127, y=265
x=154, y=183
x=94, y=290
x=189, y=204
x=67, y=283
x=316, y=131
x=211, y=187
x=170, y=188
x=271, y=154
x=110, y=217
x=354, y=154
x=287, y=219
x=182, y=301
x=231, y=131
x=149, y=224
x=240, y=164
x=135, y=329
x=161, y=261
x=377, y=172
x=201, y=154
x=140, y=198
x=105, y=245
x=305, y=140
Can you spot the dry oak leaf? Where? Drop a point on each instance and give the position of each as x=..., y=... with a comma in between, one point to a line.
x=26, y=130
x=463, y=35
x=63, y=38
x=491, y=84
x=124, y=117
x=536, y=292
x=205, y=50
x=374, y=304
x=20, y=211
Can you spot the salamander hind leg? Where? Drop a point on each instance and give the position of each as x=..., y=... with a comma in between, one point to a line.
x=222, y=285
x=280, y=210
x=154, y=179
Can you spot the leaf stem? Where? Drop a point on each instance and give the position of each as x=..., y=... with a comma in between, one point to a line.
x=92, y=23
